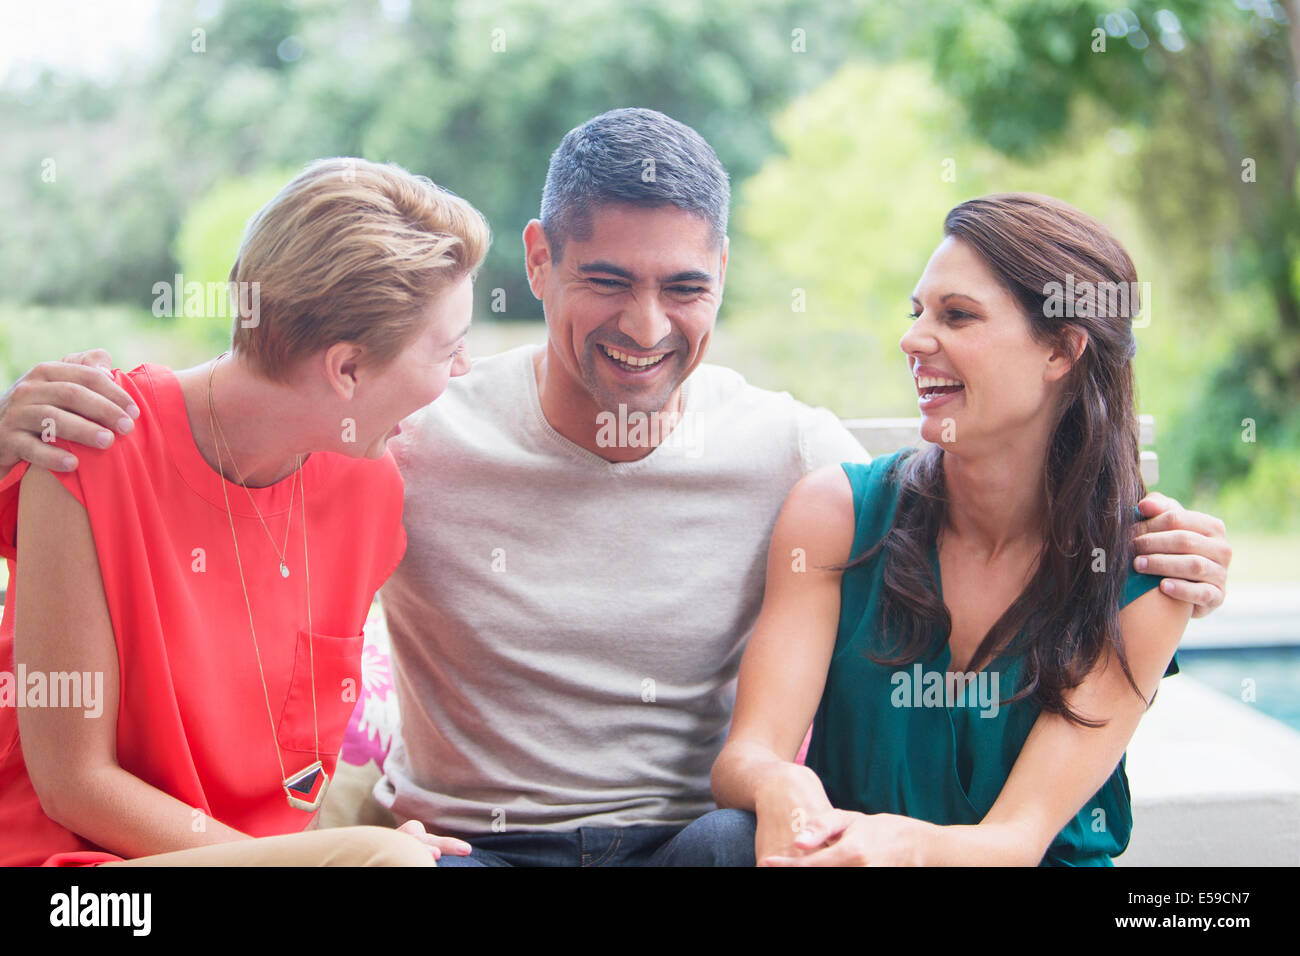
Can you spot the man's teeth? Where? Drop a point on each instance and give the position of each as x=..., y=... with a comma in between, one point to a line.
x=632, y=360
x=931, y=381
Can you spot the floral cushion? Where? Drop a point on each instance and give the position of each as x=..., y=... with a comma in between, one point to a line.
x=370, y=730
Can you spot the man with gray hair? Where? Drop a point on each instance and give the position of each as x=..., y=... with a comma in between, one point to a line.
x=587, y=525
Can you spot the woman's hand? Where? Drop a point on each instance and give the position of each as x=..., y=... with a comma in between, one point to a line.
x=845, y=838
x=785, y=800
x=440, y=845
x=775, y=833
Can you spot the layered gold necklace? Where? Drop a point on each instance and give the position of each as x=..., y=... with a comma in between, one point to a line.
x=301, y=788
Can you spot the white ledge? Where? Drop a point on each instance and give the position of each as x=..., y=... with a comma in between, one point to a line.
x=1214, y=781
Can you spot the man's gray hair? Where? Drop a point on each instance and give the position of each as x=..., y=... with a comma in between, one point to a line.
x=634, y=156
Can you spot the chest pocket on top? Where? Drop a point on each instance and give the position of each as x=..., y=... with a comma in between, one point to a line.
x=338, y=687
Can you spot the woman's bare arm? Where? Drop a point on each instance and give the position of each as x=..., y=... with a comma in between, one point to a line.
x=783, y=671
x=62, y=624
x=1059, y=768
x=1063, y=764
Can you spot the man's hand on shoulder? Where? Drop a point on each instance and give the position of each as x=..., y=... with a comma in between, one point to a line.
x=74, y=399
x=1189, y=549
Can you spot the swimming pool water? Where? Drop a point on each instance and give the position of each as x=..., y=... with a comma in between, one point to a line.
x=1274, y=670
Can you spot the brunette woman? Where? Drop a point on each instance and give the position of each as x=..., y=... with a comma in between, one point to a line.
x=967, y=640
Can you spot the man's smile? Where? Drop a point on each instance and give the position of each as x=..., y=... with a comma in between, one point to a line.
x=635, y=366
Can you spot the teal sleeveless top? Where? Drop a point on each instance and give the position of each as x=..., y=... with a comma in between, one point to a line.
x=903, y=740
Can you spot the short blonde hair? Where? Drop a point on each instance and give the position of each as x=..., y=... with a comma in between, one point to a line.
x=349, y=251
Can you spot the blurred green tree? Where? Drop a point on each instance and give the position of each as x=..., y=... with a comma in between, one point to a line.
x=474, y=95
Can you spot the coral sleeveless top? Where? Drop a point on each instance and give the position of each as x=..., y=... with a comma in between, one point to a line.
x=192, y=719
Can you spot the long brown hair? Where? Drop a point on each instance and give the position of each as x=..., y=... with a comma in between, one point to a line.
x=1068, y=613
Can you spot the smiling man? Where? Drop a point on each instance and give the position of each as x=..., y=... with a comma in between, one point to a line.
x=658, y=272
x=568, y=620
x=569, y=617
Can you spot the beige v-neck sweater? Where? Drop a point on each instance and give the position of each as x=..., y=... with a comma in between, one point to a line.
x=566, y=631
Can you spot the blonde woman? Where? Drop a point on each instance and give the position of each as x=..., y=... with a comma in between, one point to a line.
x=208, y=578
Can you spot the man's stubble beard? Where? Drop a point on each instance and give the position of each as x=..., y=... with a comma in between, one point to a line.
x=608, y=399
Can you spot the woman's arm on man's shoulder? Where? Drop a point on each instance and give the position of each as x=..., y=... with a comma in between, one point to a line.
x=62, y=625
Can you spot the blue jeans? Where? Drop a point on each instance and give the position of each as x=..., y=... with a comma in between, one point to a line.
x=720, y=838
